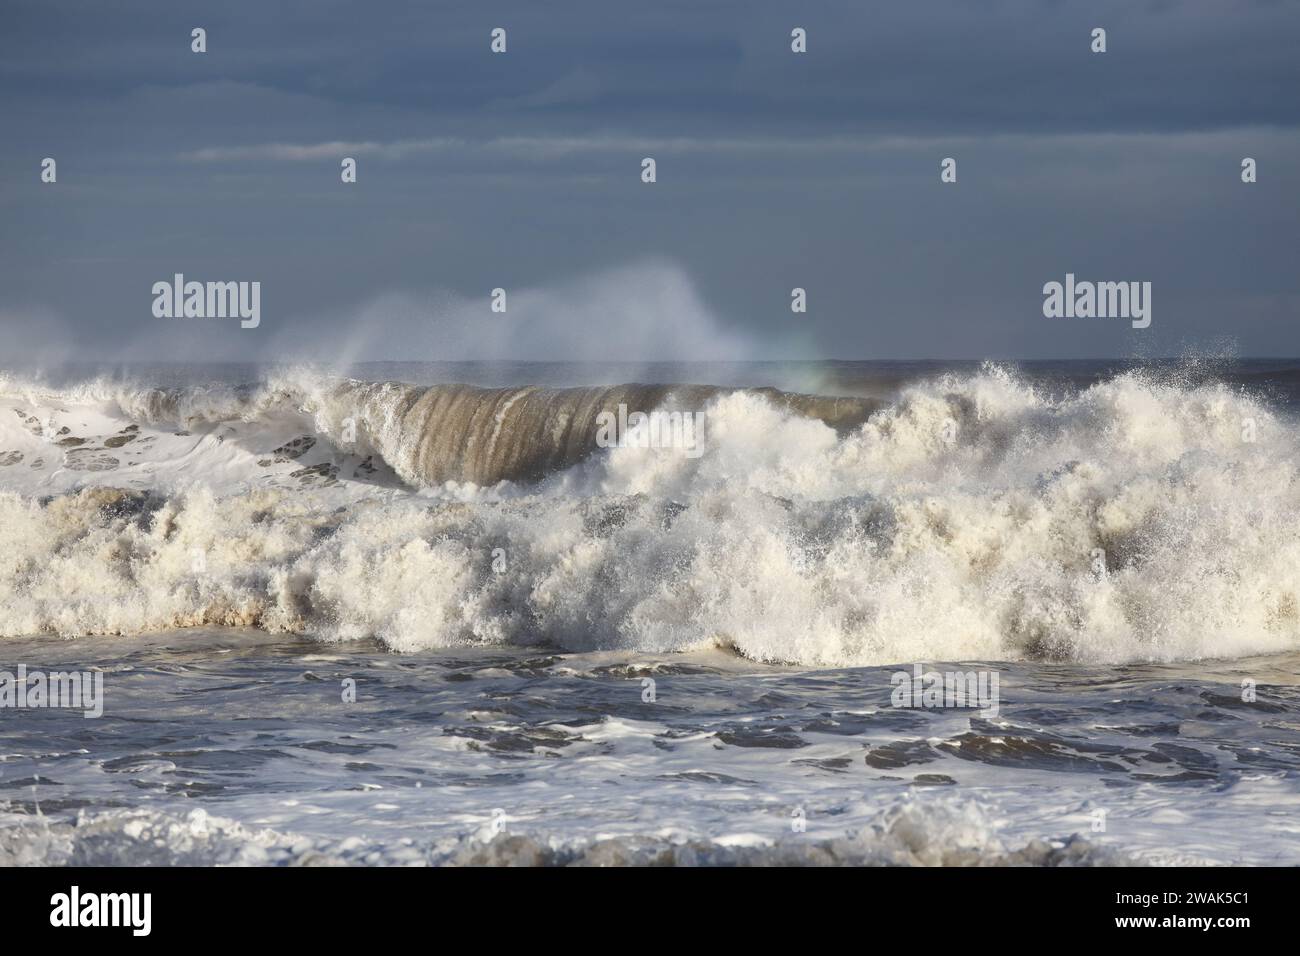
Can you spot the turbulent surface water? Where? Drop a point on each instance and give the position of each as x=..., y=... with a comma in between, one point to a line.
x=222, y=747
x=1118, y=543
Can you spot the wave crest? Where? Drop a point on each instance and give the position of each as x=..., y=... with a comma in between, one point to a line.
x=971, y=518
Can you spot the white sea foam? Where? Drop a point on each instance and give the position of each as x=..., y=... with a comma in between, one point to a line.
x=938, y=833
x=961, y=521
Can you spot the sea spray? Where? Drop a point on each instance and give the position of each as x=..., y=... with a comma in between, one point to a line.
x=960, y=521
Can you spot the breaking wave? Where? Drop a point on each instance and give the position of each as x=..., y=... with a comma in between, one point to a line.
x=949, y=834
x=971, y=517
x=431, y=434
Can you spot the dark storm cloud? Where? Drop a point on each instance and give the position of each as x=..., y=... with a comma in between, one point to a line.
x=905, y=67
x=776, y=170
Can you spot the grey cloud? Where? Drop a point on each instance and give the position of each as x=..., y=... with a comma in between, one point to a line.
x=775, y=171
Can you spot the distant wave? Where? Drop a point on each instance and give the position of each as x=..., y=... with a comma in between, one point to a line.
x=973, y=517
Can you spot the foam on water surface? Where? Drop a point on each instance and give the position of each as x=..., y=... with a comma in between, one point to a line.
x=1119, y=551
x=218, y=746
x=972, y=517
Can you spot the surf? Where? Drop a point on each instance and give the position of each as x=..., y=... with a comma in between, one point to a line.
x=969, y=517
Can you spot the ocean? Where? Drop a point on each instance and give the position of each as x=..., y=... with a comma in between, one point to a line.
x=563, y=613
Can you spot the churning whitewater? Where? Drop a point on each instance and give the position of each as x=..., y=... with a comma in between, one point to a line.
x=968, y=516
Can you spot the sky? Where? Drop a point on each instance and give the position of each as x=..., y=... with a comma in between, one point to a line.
x=522, y=171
